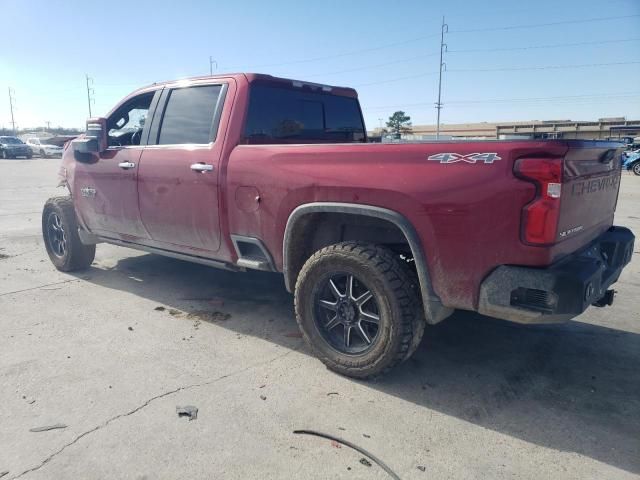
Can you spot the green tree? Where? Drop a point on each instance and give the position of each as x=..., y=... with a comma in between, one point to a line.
x=399, y=123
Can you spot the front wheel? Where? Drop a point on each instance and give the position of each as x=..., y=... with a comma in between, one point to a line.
x=5, y=155
x=356, y=305
x=61, y=239
x=636, y=168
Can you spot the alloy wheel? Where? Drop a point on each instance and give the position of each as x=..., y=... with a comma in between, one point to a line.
x=56, y=235
x=346, y=313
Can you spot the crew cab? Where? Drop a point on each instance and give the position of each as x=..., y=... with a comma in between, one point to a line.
x=375, y=241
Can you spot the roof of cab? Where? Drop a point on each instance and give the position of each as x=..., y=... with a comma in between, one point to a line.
x=264, y=78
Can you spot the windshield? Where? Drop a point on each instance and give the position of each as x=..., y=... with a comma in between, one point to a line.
x=10, y=140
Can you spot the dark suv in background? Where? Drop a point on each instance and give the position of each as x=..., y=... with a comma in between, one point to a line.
x=13, y=147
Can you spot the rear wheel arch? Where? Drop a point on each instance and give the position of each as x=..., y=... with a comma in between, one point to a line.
x=303, y=237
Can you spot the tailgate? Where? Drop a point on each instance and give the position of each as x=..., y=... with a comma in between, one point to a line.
x=591, y=180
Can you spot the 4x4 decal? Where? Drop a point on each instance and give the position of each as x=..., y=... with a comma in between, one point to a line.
x=469, y=158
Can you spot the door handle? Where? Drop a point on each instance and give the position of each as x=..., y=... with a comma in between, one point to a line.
x=202, y=167
x=126, y=165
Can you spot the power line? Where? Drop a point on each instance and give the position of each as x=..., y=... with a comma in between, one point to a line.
x=394, y=62
x=550, y=24
x=537, y=8
x=432, y=54
x=346, y=54
x=567, y=98
x=545, y=99
x=514, y=69
x=416, y=39
x=533, y=47
x=385, y=64
x=624, y=100
x=397, y=79
x=367, y=67
x=545, y=67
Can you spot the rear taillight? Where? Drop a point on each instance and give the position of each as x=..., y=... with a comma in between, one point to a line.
x=540, y=217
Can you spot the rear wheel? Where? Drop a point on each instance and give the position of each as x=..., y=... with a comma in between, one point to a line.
x=356, y=305
x=61, y=239
x=42, y=154
x=636, y=168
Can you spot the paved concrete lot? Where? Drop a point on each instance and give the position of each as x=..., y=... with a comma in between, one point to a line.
x=112, y=351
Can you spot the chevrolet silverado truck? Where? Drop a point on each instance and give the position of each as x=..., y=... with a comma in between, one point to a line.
x=375, y=241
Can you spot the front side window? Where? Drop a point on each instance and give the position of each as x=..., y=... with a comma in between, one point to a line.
x=289, y=115
x=188, y=116
x=125, y=126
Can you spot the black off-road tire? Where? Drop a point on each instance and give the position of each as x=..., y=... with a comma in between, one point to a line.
x=395, y=289
x=419, y=321
x=77, y=256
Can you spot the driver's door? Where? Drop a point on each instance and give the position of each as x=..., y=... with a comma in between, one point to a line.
x=105, y=190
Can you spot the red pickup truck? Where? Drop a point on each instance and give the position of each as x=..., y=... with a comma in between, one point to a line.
x=250, y=171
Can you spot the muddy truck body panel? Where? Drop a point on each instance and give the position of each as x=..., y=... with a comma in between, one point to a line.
x=251, y=171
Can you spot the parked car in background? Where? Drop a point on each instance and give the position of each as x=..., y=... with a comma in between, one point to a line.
x=40, y=146
x=13, y=147
x=632, y=161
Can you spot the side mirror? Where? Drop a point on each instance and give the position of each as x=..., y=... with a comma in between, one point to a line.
x=95, y=138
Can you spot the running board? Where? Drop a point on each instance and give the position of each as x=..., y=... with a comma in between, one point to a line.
x=168, y=253
x=254, y=264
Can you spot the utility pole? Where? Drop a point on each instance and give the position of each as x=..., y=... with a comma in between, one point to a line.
x=48, y=125
x=90, y=93
x=443, y=48
x=211, y=62
x=12, y=98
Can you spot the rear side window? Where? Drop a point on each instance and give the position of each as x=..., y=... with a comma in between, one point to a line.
x=188, y=116
x=286, y=115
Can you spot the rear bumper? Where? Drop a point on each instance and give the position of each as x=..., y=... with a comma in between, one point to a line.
x=561, y=291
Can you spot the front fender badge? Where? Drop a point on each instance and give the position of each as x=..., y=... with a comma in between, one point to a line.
x=88, y=192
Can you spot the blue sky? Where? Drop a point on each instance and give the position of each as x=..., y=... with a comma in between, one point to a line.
x=387, y=50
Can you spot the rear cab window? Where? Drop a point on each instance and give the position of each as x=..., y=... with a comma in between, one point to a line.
x=189, y=115
x=280, y=114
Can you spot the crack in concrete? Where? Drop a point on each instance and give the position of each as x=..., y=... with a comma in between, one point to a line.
x=17, y=213
x=145, y=404
x=39, y=286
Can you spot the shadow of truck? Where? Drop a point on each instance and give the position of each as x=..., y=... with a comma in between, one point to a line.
x=571, y=387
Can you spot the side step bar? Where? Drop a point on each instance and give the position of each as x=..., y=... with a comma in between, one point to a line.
x=167, y=253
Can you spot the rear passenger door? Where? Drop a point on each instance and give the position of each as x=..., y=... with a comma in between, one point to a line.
x=179, y=170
